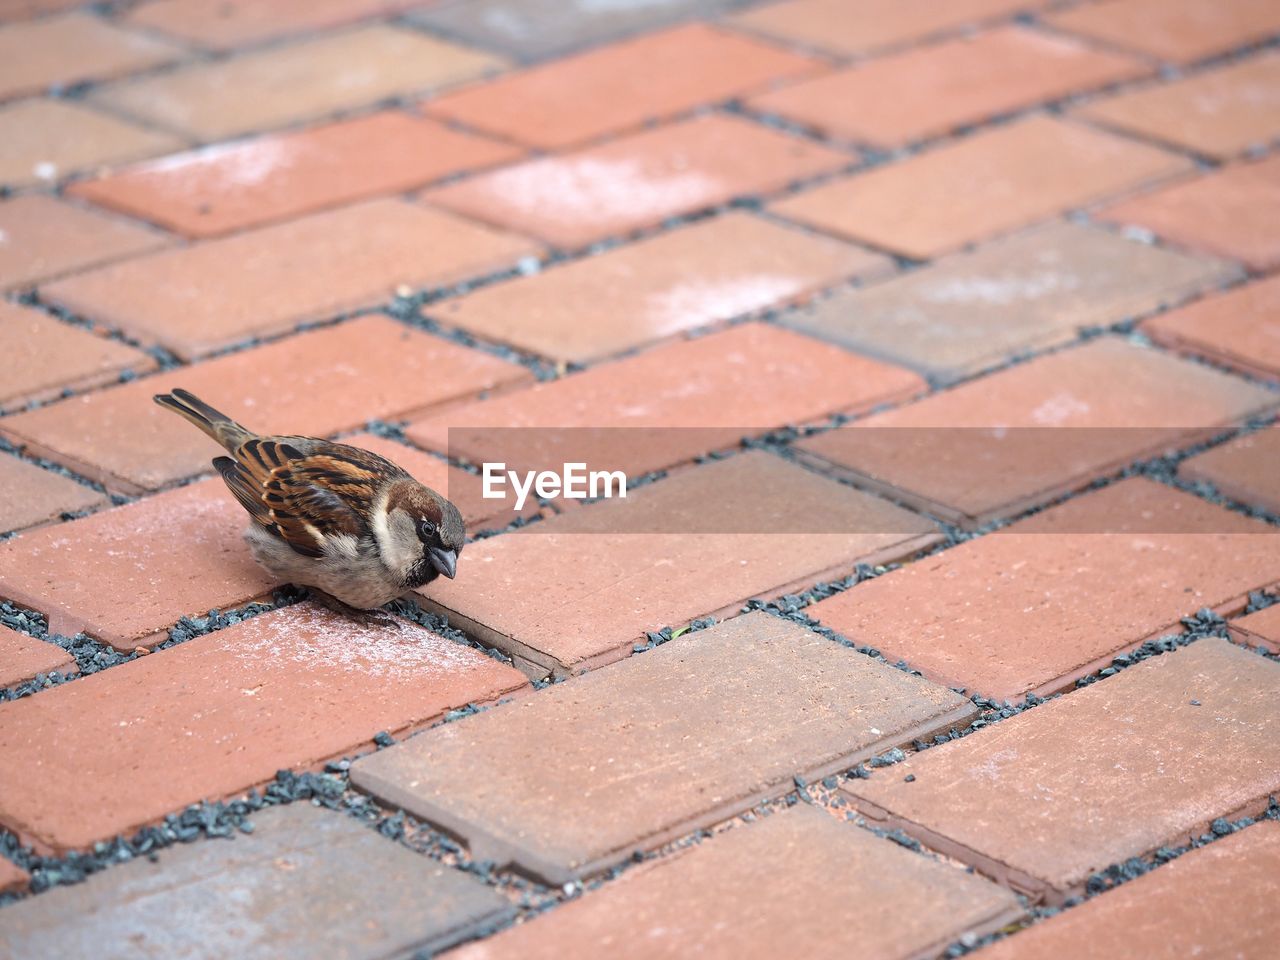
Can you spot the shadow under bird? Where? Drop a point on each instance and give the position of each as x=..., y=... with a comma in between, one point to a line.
x=337, y=519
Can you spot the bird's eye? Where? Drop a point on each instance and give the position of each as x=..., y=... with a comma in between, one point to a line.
x=426, y=530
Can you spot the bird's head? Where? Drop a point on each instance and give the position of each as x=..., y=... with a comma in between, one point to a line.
x=423, y=534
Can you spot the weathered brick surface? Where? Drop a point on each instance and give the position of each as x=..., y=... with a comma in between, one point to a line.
x=303, y=81
x=45, y=140
x=173, y=554
x=65, y=50
x=1240, y=328
x=650, y=750
x=998, y=445
x=1247, y=469
x=1138, y=761
x=629, y=184
x=21, y=658
x=939, y=88
x=780, y=887
x=47, y=356
x=1233, y=915
x=990, y=183
x=865, y=26
x=227, y=187
x=650, y=416
x=22, y=9
x=1177, y=30
x=1260, y=629
x=1221, y=113
x=314, y=384
x=1033, y=607
x=313, y=268
x=700, y=542
x=12, y=877
x=226, y=24
x=1032, y=290
x=1226, y=213
x=305, y=882
x=30, y=495
x=728, y=267
x=621, y=86
x=42, y=238
x=219, y=714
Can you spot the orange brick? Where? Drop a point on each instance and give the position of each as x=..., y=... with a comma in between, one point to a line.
x=13, y=878
x=47, y=140
x=290, y=84
x=715, y=270
x=231, y=186
x=21, y=9
x=1229, y=212
x=226, y=24
x=939, y=88
x=989, y=184
x=1244, y=470
x=1222, y=113
x=71, y=49
x=199, y=298
x=48, y=356
x=22, y=657
x=1177, y=30
x=319, y=383
x=30, y=495
x=621, y=86
x=42, y=238
x=1259, y=629
x=863, y=26
x=1240, y=329
x=625, y=185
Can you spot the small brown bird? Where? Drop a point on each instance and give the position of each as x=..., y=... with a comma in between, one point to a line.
x=340, y=520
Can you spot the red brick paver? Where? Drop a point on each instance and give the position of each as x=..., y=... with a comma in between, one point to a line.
x=1246, y=470
x=619, y=87
x=1051, y=599
x=13, y=878
x=226, y=24
x=783, y=887
x=1133, y=763
x=313, y=268
x=752, y=525
x=728, y=267
x=227, y=187
x=309, y=79
x=334, y=887
x=650, y=750
x=1233, y=916
x=315, y=384
x=1226, y=213
x=31, y=496
x=22, y=657
x=1261, y=628
x=636, y=182
x=22, y=9
x=651, y=416
x=1240, y=328
x=999, y=445
x=1028, y=291
x=216, y=715
x=989, y=184
x=939, y=88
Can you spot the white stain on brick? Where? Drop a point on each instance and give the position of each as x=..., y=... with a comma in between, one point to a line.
x=1058, y=409
x=227, y=166
x=695, y=302
x=1000, y=291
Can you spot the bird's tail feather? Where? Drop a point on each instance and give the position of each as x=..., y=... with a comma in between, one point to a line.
x=213, y=422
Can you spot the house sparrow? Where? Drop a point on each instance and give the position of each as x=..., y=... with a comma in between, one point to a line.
x=335, y=518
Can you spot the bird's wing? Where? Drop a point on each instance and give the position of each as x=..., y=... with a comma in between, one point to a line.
x=305, y=491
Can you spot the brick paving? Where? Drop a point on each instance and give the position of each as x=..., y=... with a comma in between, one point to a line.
x=939, y=342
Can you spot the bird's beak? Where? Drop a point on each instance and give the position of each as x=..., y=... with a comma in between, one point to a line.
x=445, y=561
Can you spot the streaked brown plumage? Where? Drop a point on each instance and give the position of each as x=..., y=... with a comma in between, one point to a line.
x=330, y=516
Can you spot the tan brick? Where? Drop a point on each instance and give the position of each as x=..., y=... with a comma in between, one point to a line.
x=21, y=658
x=999, y=445
x=1155, y=753
x=226, y=24
x=301, y=81
x=69, y=49
x=1177, y=30
x=46, y=140
x=214, y=716
x=195, y=300
x=621, y=86
x=939, y=88
x=1240, y=329
x=231, y=186
x=712, y=271
x=1244, y=470
x=1033, y=607
x=572, y=200
x=22, y=9
x=652, y=749
x=316, y=384
x=1259, y=629
x=30, y=495
x=985, y=185
x=695, y=544
x=1032, y=290
x=644, y=413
